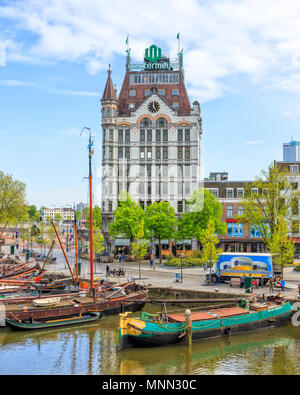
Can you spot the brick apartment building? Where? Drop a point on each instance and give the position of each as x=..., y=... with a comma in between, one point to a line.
x=239, y=237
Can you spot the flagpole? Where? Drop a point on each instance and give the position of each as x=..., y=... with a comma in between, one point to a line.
x=178, y=38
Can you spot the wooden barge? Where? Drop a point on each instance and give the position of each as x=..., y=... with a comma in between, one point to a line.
x=163, y=329
x=134, y=299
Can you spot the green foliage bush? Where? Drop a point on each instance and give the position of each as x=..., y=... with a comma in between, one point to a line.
x=297, y=268
x=186, y=262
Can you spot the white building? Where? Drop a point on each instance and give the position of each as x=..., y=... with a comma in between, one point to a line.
x=151, y=136
x=65, y=213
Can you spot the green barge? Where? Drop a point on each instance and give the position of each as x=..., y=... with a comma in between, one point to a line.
x=163, y=329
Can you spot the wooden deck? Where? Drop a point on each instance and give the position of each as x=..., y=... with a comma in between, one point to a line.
x=210, y=315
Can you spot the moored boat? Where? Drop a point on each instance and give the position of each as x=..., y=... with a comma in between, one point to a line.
x=162, y=329
x=50, y=286
x=112, y=302
x=45, y=324
x=46, y=302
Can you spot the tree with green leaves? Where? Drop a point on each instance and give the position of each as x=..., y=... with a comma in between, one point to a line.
x=78, y=214
x=140, y=247
x=98, y=239
x=12, y=198
x=210, y=241
x=97, y=217
x=281, y=244
x=41, y=238
x=203, y=207
x=269, y=197
x=127, y=219
x=31, y=210
x=58, y=217
x=160, y=220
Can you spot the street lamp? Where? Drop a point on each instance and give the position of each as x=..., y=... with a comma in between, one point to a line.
x=181, y=279
x=69, y=218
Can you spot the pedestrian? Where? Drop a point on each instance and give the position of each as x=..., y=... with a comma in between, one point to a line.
x=271, y=284
x=205, y=266
x=151, y=260
x=120, y=256
x=261, y=282
x=123, y=257
x=299, y=288
x=282, y=284
x=107, y=269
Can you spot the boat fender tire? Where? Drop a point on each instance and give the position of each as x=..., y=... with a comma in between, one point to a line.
x=227, y=331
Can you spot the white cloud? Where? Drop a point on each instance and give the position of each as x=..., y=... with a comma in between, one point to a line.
x=72, y=92
x=16, y=83
x=221, y=39
x=72, y=131
x=287, y=113
x=251, y=142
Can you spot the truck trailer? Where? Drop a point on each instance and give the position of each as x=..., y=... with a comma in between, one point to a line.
x=238, y=264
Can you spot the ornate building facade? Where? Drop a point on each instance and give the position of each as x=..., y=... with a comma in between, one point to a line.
x=151, y=136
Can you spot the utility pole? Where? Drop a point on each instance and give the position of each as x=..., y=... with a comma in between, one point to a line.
x=17, y=233
x=153, y=249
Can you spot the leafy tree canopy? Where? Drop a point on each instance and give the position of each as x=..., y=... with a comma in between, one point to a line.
x=97, y=218
x=275, y=198
x=127, y=218
x=203, y=207
x=160, y=218
x=12, y=198
x=281, y=244
x=209, y=241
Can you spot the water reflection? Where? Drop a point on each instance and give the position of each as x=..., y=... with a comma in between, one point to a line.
x=91, y=349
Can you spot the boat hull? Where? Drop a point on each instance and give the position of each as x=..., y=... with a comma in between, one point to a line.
x=22, y=326
x=135, y=332
x=132, y=302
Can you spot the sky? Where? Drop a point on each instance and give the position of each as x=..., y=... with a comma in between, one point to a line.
x=241, y=61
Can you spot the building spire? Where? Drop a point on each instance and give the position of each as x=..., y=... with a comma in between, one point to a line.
x=109, y=91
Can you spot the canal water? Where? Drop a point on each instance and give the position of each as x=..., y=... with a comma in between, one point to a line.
x=91, y=349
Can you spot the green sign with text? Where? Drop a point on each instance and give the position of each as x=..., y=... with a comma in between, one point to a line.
x=154, y=60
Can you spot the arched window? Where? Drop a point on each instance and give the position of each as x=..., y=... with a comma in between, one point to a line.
x=146, y=122
x=161, y=122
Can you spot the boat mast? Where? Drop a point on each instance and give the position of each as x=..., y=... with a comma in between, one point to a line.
x=91, y=213
x=91, y=152
x=76, y=245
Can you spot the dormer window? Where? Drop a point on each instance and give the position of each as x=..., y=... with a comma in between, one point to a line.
x=131, y=106
x=132, y=92
x=161, y=92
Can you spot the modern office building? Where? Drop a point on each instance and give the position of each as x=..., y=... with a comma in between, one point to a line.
x=291, y=151
x=80, y=206
x=151, y=136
